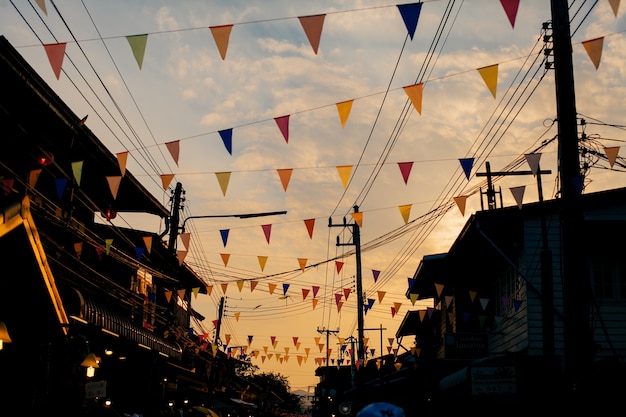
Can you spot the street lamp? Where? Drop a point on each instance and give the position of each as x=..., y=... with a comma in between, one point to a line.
x=240, y=216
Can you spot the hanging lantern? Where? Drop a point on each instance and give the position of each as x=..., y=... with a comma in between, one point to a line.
x=45, y=158
x=109, y=214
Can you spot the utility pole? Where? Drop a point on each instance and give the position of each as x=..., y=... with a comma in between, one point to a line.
x=576, y=285
x=220, y=314
x=327, y=332
x=356, y=242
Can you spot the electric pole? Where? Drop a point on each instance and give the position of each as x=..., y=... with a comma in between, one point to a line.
x=356, y=242
x=576, y=285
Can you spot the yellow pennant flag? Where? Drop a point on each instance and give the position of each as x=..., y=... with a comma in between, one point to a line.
x=358, y=218
x=77, y=169
x=406, y=212
x=262, y=261
x=237, y=316
x=344, y=174
x=108, y=243
x=490, y=77
x=413, y=298
x=594, y=50
x=223, y=178
x=302, y=262
x=415, y=94
x=221, y=36
x=240, y=284
x=344, y=109
x=138, y=46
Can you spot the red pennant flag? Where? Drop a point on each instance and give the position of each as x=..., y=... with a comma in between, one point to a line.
x=405, y=169
x=174, y=149
x=310, y=223
x=283, y=125
x=510, y=8
x=55, y=52
x=267, y=229
x=312, y=26
x=338, y=265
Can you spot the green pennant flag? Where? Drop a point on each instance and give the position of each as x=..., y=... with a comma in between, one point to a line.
x=138, y=45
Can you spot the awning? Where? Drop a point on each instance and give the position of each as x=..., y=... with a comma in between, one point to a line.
x=243, y=403
x=99, y=315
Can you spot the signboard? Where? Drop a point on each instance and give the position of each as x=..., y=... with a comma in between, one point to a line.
x=493, y=380
x=465, y=345
x=96, y=389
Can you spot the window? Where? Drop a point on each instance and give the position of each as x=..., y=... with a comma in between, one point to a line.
x=608, y=276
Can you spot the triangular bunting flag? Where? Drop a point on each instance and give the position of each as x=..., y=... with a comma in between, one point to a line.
x=271, y=287
x=55, y=52
x=114, y=185
x=221, y=35
x=262, y=261
x=510, y=8
x=61, y=184
x=467, y=164
x=224, y=287
x=225, y=257
x=405, y=170
x=594, y=50
x=147, y=241
x=405, y=211
x=312, y=26
x=533, y=161
x=614, y=6
x=460, y=202
x=302, y=263
x=138, y=46
x=42, y=6
x=227, y=139
x=518, y=194
x=174, y=150
x=338, y=265
x=344, y=174
x=415, y=94
x=285, y=177
x=224, y=235
x=375, y=273
x=267, y=230
x=358, y=218
x=611, y=154
x=122, y=157
x=410, y=15
x=166, y=180
x=77, y=170
x=283, y=124
x=490, y=77
x=223, y=178
x=344, y=109
x=310, y=224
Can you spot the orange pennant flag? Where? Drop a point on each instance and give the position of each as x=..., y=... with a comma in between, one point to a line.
x=33, y=176
x=314, y=301
x=381, y=294
x=185, y=237
x=415, y=94
x=344, y=174
x=114, y=185
x=168, y=296
x=122, y=157
x=223, y=178
x=147, y=240
x=405, y=211
x=166, y=180
x=262, y=261
x=594, y=50
x=55, y=52
x=221, y=36
x=224, y=287
x=344, y=109
x=181, y=255
x=358, y=218
x=460, y=202
x=272, y=287
x=302, y=262
x=614, y=6
x=285, y=176
x=310, y=223
x=174, y=149
x=312, y=26
x=138, y=46
x=397, y=306
x=78, y=248
x=490, y=77
x=237, y=316
x=225, y=258
x=611, y=154
x=439, y=288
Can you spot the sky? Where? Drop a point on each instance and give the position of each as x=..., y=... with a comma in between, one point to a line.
x=398, y=160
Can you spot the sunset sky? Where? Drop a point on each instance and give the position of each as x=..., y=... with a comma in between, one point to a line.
x=252, y=113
